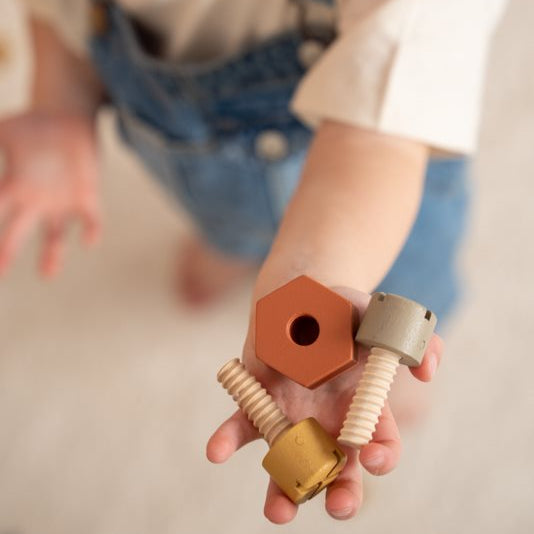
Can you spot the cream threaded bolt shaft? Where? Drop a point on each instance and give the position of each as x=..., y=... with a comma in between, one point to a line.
x=369, y=398
x=397, y=330
x=254, y=400
x=303, y=459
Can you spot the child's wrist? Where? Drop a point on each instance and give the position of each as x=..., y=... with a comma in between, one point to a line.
x=63, y=82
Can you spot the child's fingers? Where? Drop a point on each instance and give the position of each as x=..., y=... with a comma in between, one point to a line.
x=344, y=496
x=53, y=248
x=425, y=372
x=233, y=434
x=278, y=508
x=91, y=224
x=13, y=236
x=383, y=453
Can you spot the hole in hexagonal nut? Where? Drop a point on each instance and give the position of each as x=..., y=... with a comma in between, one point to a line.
x=304, y=330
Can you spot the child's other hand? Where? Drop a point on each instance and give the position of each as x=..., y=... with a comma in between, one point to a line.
x=328, y=404
x=48, y=179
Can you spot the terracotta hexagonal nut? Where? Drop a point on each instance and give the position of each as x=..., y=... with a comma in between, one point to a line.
x=305, y=331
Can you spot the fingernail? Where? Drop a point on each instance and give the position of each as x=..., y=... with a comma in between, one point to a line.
x=342, y=513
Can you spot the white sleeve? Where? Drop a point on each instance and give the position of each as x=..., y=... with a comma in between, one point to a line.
x=412, y=68
x=15, y=58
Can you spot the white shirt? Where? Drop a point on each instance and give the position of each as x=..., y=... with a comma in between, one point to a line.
x=412, y=68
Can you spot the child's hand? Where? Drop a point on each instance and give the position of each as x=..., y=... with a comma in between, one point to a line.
x=48, y=179
x=328, y=404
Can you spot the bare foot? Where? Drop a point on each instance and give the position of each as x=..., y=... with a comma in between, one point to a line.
x=205, y=274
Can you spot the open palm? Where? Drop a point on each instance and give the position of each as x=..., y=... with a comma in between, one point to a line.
x=49, y=179
x=328, y=404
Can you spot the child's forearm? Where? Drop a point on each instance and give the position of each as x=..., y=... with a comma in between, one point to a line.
x=352, y=212
x=62, y=80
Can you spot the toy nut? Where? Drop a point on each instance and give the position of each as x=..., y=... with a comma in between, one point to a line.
x=304, y=460
x=305, y=331
x=399, y=325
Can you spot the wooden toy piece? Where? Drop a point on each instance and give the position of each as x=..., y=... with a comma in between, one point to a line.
x=305, y=331
x=303, y=459
x=397, y=330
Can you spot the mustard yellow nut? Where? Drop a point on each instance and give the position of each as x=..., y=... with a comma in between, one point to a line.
x=304, y=460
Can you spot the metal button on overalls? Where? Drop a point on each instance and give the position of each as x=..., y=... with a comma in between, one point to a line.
x=272, y=145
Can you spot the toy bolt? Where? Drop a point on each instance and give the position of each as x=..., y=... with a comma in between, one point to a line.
x=397, y=330
x=303, y=459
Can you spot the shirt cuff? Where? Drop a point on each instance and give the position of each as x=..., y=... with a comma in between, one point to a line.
x=411, y=68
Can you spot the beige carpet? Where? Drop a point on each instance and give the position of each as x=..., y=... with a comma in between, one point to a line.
x=107, y=389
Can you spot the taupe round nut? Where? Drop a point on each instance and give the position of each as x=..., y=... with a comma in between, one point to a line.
x=399, y=325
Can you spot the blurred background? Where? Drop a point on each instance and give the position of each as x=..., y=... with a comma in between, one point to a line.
x=108, y=390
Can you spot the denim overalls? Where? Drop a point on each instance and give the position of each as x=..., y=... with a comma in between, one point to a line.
x=220, y=138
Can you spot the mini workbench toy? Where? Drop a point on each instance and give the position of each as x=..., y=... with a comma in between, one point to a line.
x=305, y=331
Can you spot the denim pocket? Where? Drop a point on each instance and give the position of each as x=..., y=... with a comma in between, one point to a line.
x=282, y=178
x=195, y=125
x=235, y=197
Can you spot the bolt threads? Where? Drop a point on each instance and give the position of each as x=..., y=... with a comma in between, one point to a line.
x=254, y=400
x=369, y=398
